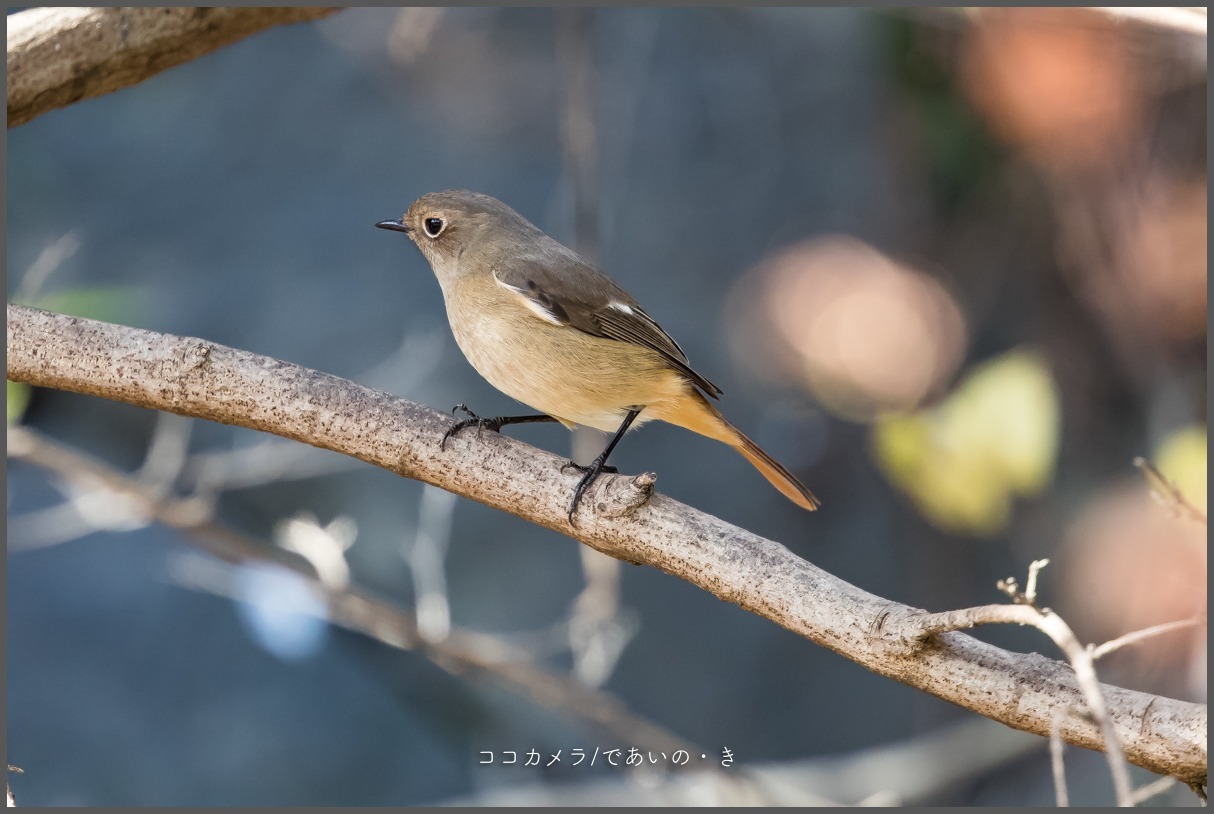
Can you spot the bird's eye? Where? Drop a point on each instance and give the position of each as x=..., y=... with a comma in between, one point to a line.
x=433, y=226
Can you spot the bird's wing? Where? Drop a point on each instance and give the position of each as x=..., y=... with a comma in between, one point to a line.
x=584, y=298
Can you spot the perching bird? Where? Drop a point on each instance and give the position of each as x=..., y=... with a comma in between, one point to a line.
x=550, y=330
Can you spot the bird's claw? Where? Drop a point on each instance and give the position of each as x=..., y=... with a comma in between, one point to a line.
x=589, y=474
x=473, y=418
x=610, y=470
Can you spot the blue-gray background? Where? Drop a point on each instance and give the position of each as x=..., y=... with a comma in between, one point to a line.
x=233, y=198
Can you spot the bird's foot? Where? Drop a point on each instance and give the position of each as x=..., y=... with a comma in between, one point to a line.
x=493, y=424
x=596, y=468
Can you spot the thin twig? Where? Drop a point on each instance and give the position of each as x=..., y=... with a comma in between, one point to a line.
x=1157, y=786
x=1180, y=19
x=1168, y=493
x=1057, y=767
x=167, y=452
x=272, y=460
x=49, y=260
x=427, y=562
x=1177, y=18
x=1030, y=584
x=1098, y=652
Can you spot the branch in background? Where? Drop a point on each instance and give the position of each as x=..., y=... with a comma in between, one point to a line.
x=1057, y=769
x=579, y=138
x=57, y=56
x=1157, y=786
x=205, y=380
x=1183, y=20
x=1190, y=20
x=462, y=652
x=1168, y=493
x=599, y=626
x=12, y=770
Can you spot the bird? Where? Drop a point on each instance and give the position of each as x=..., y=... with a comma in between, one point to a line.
x=549, y=329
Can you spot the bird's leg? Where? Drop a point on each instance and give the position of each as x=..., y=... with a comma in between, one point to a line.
x=494, y=424
x=599, y=464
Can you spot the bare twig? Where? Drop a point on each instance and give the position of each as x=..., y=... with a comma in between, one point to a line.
x=462, y=652
x=167, y=452
x=1184, y=20
x=270, y=461
x=1168, y=493
x=427, y=562
x=1026, y=612
x=598, y=629
x=1100, y=651
x=57, y=56
x=1029, y=595
x=205, y=380
x=1157, y=786
x=1057, y=767
x=324, y=547
x=1177, y=18
x=49, y=260
x=579, y=139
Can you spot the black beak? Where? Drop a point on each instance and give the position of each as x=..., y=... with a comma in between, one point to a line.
x=394, y=225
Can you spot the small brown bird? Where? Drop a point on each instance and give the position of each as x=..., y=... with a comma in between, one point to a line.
x=550, y=330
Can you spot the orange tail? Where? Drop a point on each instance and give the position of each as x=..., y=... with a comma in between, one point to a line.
x=696, y=414
x=780, y=477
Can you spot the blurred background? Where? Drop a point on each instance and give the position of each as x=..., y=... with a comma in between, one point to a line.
x=948, y=267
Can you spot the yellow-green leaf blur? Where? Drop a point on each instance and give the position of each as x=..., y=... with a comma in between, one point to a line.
x=993, y=438
x=18, y=398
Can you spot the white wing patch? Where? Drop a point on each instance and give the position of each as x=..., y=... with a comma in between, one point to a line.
x=535, y=306
x=619, y=306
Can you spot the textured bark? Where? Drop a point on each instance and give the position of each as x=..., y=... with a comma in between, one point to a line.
x=198, y=378
x=57, y=56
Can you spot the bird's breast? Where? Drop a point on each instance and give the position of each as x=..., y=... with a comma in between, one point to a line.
x=556, y=369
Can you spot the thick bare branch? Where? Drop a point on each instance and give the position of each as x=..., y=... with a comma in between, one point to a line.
x=57, y=56
x=201, y=379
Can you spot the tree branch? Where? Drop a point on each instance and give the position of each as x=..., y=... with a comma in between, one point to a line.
x=201, y=379
x=1139, y=636
x=1167, y=493
x=57, y=56
x=1026, y=612
x=461, y=652
x=1177, y=18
